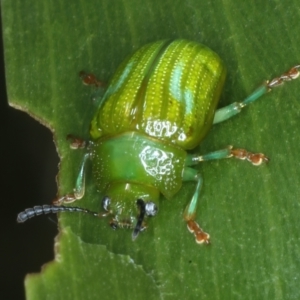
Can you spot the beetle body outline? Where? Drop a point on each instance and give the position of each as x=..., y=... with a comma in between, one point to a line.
x=160, y=103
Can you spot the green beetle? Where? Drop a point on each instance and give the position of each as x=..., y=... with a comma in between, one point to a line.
x=160, y=103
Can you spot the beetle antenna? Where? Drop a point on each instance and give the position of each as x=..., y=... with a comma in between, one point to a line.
x=138, y=227
x=46, y=209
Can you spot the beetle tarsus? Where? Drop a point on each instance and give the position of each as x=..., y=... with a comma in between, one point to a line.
x=68, y=198
x=201, y=237
x=291, y=74
x=76, y=142
x=255, y=158
x=91, y=79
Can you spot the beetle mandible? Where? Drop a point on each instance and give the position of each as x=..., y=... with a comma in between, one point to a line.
x=160, y=103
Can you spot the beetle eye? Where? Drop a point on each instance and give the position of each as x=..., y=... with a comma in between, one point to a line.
x=151, y=209
x=106, y=203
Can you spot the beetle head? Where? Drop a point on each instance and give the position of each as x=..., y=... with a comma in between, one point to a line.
x=130, y=204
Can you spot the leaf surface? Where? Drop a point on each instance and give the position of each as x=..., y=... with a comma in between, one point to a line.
x=252, y=214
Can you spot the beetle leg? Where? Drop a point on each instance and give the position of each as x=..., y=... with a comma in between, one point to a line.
x=231, y=110
x=79, y=189
x=91, y=79
x=76, y=142
x=189, y=215
x=255, y=158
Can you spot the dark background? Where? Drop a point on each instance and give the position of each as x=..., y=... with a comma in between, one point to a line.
x=29, y=164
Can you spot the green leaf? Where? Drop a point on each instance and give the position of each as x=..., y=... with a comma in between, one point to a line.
x=85, y=283
x=252, y=214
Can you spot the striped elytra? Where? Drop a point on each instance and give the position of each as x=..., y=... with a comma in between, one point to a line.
x=167, y=90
